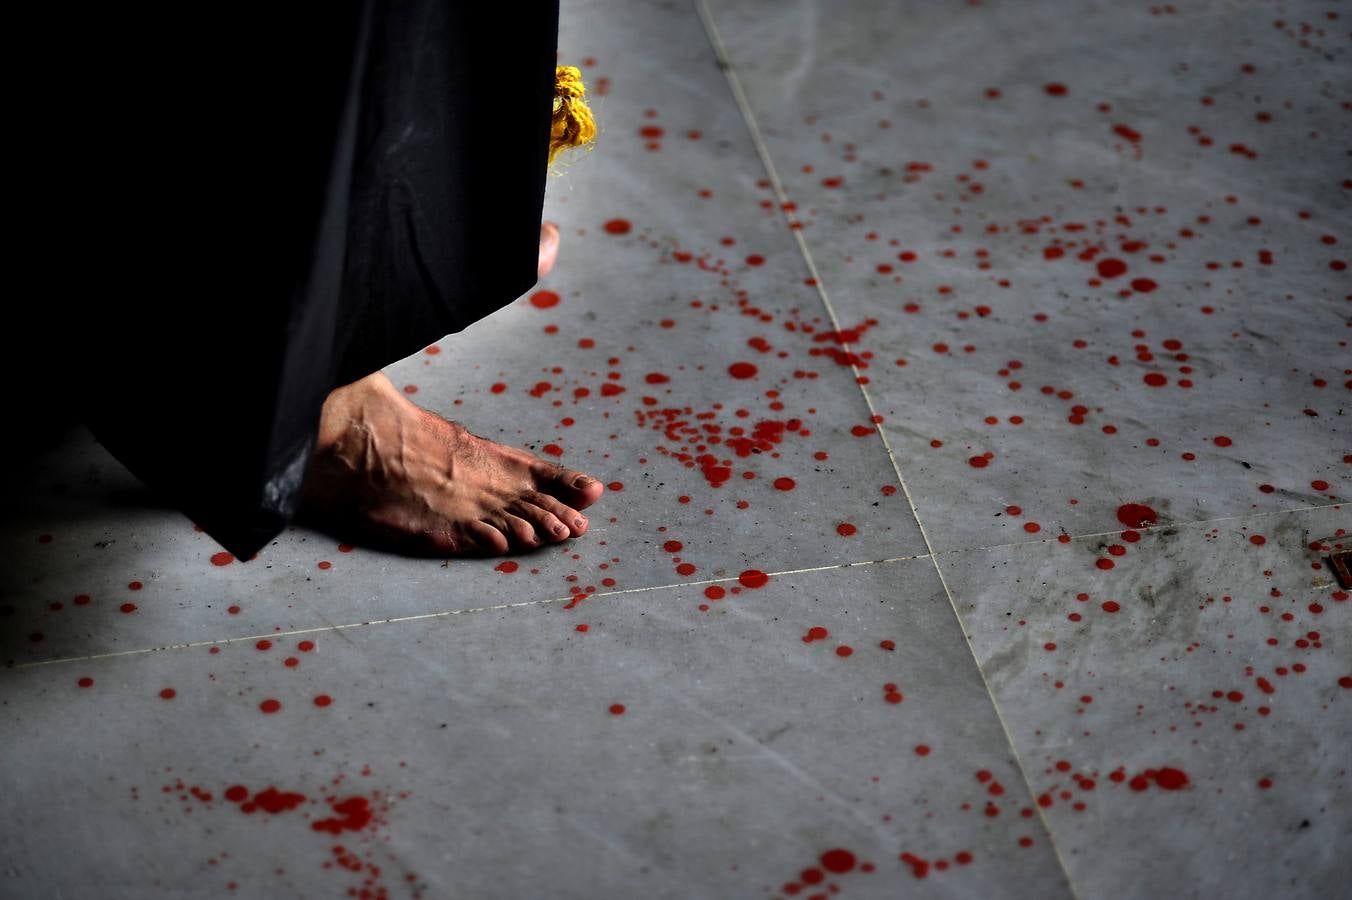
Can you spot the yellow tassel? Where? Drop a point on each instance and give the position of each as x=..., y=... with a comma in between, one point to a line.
x=573, y=124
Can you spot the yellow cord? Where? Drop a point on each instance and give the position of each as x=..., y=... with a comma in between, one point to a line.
x=573, y=124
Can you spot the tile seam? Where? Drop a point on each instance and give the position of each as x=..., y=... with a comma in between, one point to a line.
x=439, y=614
x=763, y=151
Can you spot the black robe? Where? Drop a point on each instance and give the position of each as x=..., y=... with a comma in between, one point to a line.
x=255, y=207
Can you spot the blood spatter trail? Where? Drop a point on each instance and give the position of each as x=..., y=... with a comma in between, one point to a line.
x=355, y=815
x=617, y=226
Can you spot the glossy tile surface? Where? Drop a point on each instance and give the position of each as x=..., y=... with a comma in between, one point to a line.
x=1106, y=255
x=1183, y=716
x=680, y=746
x=1068, y=277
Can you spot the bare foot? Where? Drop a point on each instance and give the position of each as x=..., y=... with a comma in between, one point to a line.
x=390, y=474
x=549, y=248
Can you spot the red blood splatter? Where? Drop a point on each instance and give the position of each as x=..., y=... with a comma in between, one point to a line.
x=264, y=644
x=1136, y=515
x=919, y=867
x=274, y=801
x=845, y=529
x=354, y=814
x=1345, y=682
x=673, y=546
x=305, y=646
x=715, y=592
x=222, y=559
x=844, y=650
x=128, y=607
x=507, y=567
x=1128, y=133
x=815, y=633
x=617, y=226
x=544, y=299
x=922, y=750
x=270, y=706
x=1056, y=89
x=617, y=709
x=742, y=370
x=1111, y=606
x=168, y=694
x=978, y=462
x=838, y=861
x=1155, y=379
x=85, y=682
x=753, y=578
x=237, y=793
x=785, y=483
x=755, y=259
x=323, y=700
x=1167, y=778
x=1111, y=268
x=888, y=644
x=1144, y=285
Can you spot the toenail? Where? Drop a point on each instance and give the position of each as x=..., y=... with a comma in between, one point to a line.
x=579, y=522
x=559, y=529
x=581, y=482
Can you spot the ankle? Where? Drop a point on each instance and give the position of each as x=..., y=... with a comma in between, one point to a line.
x=346, y=408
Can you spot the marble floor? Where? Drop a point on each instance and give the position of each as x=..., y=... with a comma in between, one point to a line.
x=970, y=379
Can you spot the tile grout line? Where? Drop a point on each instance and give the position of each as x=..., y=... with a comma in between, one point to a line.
x=763, y=151
x=935, y=555
x=441, y=614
